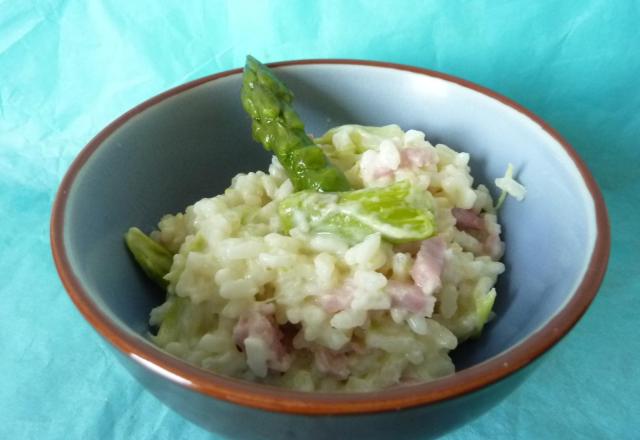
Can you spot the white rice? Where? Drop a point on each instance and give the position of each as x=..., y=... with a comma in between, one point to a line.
x=234, y=267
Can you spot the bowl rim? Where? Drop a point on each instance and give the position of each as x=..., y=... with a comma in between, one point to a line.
x=298, y=402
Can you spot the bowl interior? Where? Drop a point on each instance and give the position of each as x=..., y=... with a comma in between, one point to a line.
x=189, y=145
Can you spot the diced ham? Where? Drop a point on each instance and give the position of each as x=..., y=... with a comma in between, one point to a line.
x=428, y=266
x=381, y=171
x=339, y=299
x=467, y=219
x=331, y=362
x=410, y=297
x=481, y=229
x=407, y=296
x=333, y=303
x=415, y=157
x=257, y=324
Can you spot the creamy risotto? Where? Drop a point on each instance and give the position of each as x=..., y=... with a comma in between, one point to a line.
x=310, y=309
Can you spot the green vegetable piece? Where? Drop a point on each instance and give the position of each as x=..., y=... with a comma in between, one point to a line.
x=399, y=212
x=169, y=329
x=484, y=304
x=154, y=259
x=277, y=126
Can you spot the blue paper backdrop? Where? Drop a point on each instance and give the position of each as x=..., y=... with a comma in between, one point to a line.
x=67, y=68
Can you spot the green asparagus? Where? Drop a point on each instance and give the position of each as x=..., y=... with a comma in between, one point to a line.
x=277, y=126
x=399, y=212
x=484, y=305
x=170, y=328
x=153, y=258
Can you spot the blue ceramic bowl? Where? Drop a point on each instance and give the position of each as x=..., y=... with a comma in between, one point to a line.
x=187, y=143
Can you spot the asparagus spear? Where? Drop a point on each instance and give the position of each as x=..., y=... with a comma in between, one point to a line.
x=399, y=212
x=154, y=259
x=277, y=126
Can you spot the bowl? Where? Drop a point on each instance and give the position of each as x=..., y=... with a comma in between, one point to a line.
x=187, y=143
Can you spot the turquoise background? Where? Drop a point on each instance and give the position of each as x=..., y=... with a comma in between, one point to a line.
x=67, y=68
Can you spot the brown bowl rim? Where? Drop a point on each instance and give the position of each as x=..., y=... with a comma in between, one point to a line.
x=297, y=402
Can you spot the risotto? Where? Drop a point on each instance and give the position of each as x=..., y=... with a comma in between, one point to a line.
x=291, y=305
